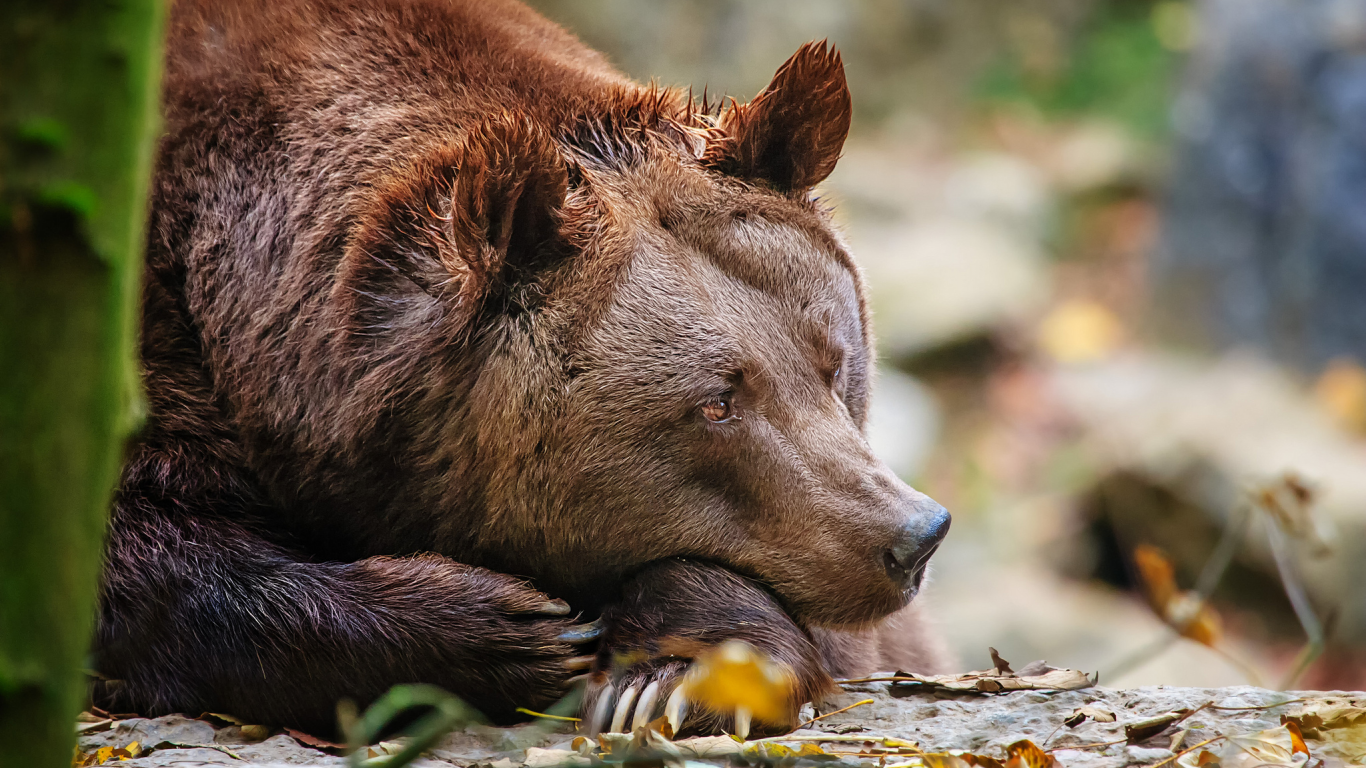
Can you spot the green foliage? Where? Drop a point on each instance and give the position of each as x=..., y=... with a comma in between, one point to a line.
x=1120, y=64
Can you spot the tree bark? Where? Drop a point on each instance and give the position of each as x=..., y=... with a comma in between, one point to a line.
x=78, y=118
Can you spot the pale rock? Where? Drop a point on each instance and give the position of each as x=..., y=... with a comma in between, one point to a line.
x=903, y=421
x=945, y=280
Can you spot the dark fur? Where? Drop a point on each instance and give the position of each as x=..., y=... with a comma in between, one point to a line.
x=427, y=276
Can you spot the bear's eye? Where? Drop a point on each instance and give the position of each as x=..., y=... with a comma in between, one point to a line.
x=720, y=410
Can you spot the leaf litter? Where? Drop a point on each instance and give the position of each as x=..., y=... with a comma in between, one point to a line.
x=1336, y=726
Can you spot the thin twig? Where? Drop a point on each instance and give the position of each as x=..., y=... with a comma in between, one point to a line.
x=1299, y=601
x=1087, y=746
x=836, y=712
x=1259, y=707
x=897, y=679
x=1185, y=752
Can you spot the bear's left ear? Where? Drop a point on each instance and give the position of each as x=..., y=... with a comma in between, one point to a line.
x=791, y=134
x=470, y=224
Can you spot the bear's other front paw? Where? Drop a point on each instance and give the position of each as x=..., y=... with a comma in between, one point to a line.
x=672, y=613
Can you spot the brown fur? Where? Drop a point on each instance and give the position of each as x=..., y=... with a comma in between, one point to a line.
x=433, y=300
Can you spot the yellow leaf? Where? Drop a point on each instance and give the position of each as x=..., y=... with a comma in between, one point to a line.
x=1341, y=392
x=735, y=675
x=1026, y=754
x=1079, y=331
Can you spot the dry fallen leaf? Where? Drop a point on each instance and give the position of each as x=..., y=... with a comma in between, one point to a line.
x=109, y=754
x=1082, y=714
x=309, y=740
x=1141, y=730
x=1027, y=754
x=555, y=758
x=709, y=747
x=990, y=681
x=1339, y=727
x=735, y=676
x=1273, y=748
x=1002, y=666
x=1183, y=611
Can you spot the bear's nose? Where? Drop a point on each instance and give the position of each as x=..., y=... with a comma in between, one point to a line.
x=918, y=540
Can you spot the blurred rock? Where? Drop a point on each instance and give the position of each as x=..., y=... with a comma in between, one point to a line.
x=1002, y=189
x=1096, y=155
x=1264, y=239
x=937, y=282
x=1207, y=434
x=903, y=422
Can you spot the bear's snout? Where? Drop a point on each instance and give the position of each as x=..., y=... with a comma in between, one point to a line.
x=916, y=541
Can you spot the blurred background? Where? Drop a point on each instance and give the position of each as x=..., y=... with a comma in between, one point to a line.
x=1117, y=256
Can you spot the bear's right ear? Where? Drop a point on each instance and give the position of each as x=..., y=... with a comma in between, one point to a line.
x=791, y=134
x=468, y=224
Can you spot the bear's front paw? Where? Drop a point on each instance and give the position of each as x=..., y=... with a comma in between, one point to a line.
x=672, y=613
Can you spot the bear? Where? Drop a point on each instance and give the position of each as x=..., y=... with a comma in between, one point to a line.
x=470, y=361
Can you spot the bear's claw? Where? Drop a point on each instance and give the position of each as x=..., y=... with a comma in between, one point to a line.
x=624, y=706
x=598, y=718
x=645, y=706
x=582, y=633
x=676, y=709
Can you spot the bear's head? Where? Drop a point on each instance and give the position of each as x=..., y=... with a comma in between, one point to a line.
x=667, y=351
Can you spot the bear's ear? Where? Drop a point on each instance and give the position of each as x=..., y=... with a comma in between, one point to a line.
x=791, y=134
x=501, y=208
x=472, y=223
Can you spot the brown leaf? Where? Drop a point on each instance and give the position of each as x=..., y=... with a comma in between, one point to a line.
x=309, y=740
x=1082, y=714
x=1142, y=730
x=989, y=681
x=1035, y=668
x=1002, y=666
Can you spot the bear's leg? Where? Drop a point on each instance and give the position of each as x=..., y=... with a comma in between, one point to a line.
x=199, y=613
x=669, y=613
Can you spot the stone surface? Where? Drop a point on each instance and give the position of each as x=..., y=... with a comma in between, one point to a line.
x=982, y=724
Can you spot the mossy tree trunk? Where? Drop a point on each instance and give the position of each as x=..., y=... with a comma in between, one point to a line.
x=78, y=117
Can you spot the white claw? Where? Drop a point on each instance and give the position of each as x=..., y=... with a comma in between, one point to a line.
x=646, y=706
x=623, y=709
x=742, y=717
x=600, y=710
x=676, y=709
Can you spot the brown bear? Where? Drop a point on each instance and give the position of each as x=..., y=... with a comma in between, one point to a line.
x=455, y=338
